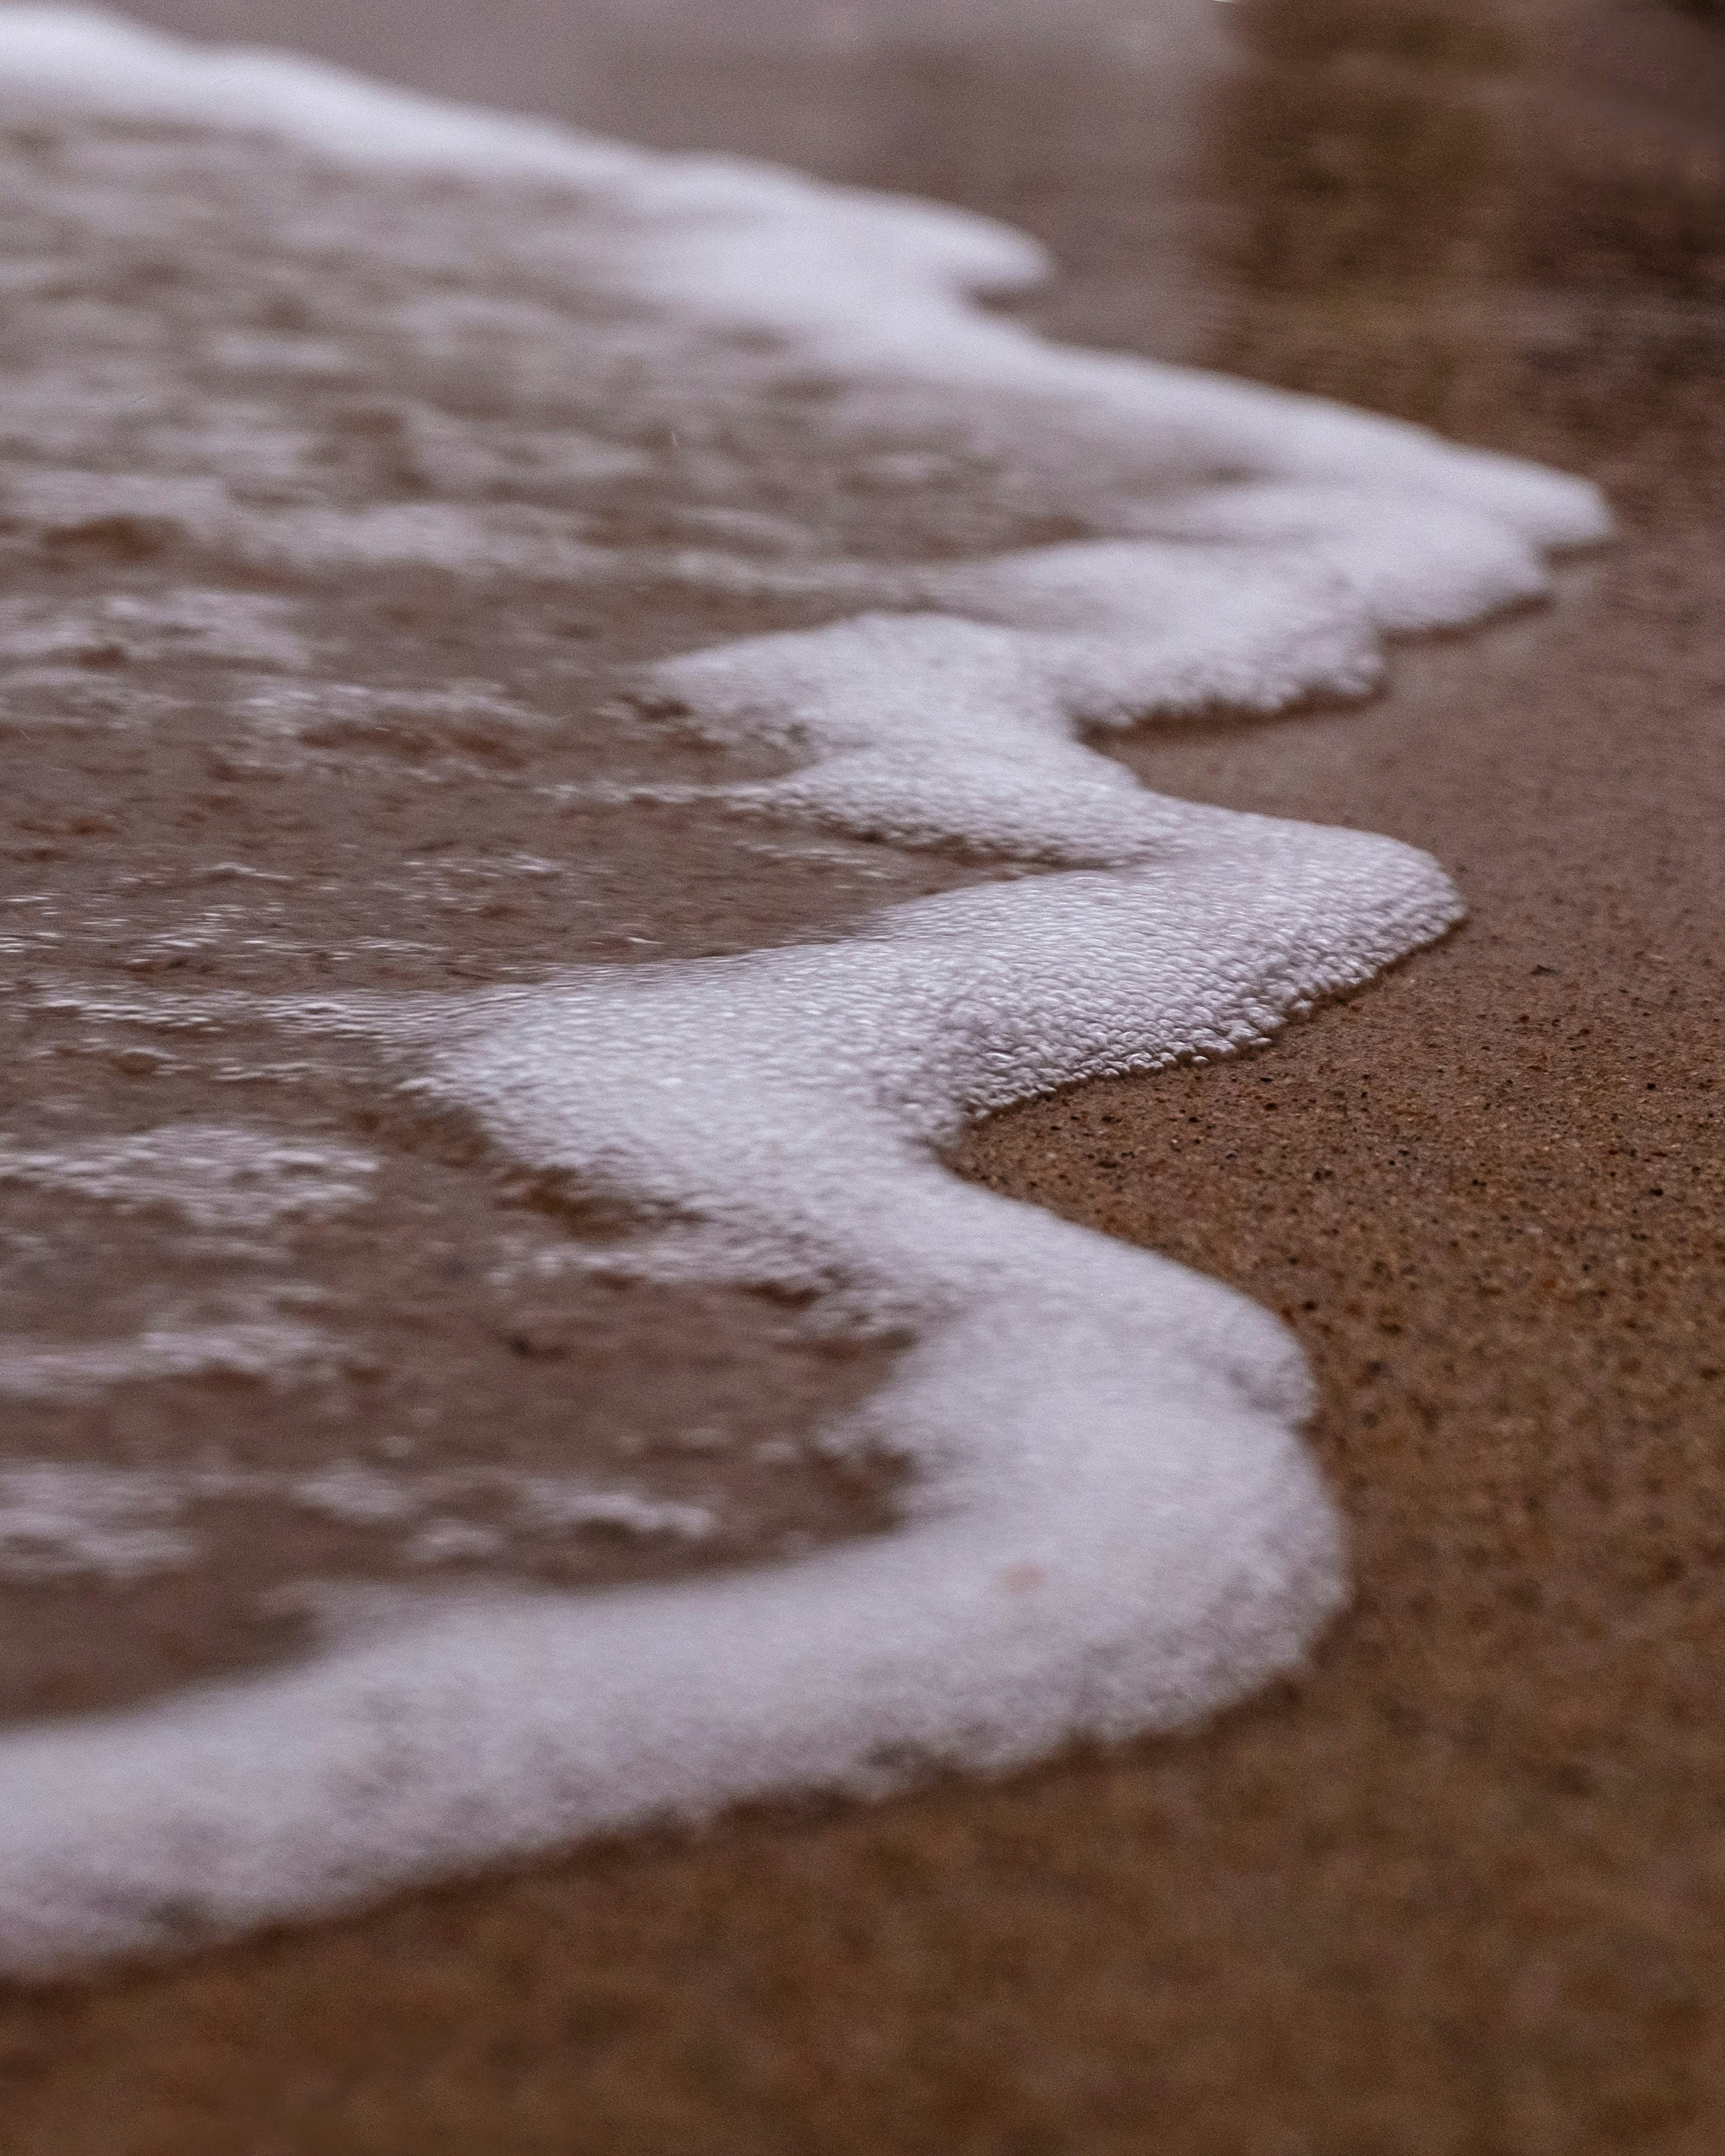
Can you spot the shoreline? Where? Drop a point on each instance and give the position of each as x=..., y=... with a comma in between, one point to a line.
x=1437, y=1871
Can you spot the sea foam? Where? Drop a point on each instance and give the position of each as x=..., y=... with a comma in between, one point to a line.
x=1111, y=1526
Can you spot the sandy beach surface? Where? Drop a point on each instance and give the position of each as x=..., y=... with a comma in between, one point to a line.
x=1457, y=1887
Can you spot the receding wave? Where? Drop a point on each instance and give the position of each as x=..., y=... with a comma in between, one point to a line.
x=1111, y=1525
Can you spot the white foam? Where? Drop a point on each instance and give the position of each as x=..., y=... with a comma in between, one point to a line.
x=273, y=1351
x=215, y=1175
x=868, y=281
x=931, y=726
x=1113, y=1526
x=475, y=539
x=62, y=1519
x=58, y=1520
x=245, y=627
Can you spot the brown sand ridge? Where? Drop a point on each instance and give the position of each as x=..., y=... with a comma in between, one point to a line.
x=1460, y=1887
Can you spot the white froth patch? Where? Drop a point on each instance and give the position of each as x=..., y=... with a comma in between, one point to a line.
x=430, y=534
x=926, y=727
x=57, y=1521
x=215, y=1175
x=1113, y=1527
x=461, y=538
x=62, y=1520
x=270, y=1350
x=242, y=628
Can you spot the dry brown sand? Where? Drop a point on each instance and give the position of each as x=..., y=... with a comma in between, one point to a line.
x=1459, y=1887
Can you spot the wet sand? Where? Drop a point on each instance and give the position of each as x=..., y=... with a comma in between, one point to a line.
x=1458, y=1888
